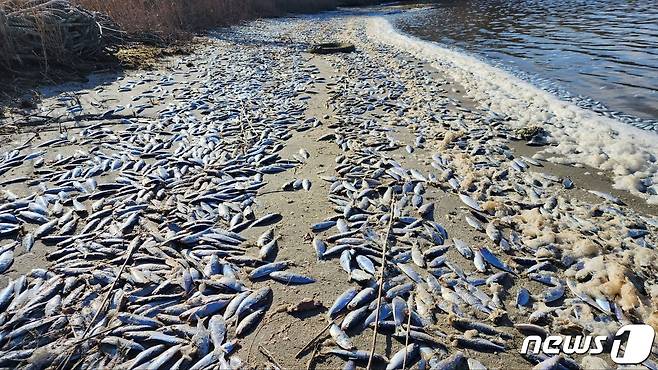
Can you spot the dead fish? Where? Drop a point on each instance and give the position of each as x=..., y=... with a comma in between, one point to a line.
x=417, y=256
x=366, y=264
x=235, y=303
x=478, y=261
x=363, y=297
x=477, y=344
x=342, y=301
x=607, y=196
x=494, y=261
x=287, y=277
x=354, y=318
x=408, y=356
x=399, y=309
x=249, y=322
x=320, y=247
x=463, y=248
x=551, y=363
x=532, y=329
x=269, y=251
x=340, y=337
x=454, y=362
x=268, y=219
x=553, y=294
x=359, y=355
x=493, y=232
x=6, y=260
x=28, y=242
x=265, y=238
x=474, y=364
x=474, y=222
x=120, y=344
x=523, y=298
x=467, y=324
x=252, y=300
x=44, y=229
x=322, y=226
x=470, y=202
x=217, y=329
x=266, y=269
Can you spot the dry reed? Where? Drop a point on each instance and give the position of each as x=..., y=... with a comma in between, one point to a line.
x=173, y=18
x=143, y=20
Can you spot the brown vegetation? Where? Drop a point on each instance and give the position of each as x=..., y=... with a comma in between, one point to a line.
x=167, y=18
x=51, y=32
x=51, y=40
x=142, y=56
x=39, y=33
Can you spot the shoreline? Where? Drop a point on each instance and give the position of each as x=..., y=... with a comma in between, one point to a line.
x=605, y=101
x=582, y=137
x=376, y=103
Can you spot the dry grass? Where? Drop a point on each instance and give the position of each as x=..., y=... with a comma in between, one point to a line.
x=140, y=20
x=47, y=52
x=173, y=18
x=141, y=56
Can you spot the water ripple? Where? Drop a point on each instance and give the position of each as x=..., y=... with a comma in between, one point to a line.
x=601, y=54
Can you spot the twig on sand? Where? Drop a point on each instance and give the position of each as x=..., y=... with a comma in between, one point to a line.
x=317, y=336
x=298, y=355
x=406, y=341
x=30, y=139
x=269, y=356
x=83, y=117
x=131, y=249
x=315, y=352
x=381, y=283
x=266, y=321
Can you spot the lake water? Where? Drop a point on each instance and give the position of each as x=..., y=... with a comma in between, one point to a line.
x=600, y=54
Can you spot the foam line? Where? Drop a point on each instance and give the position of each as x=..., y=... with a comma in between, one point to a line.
x=583, y=137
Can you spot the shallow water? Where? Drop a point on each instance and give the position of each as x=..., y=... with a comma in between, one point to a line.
x=601, y=54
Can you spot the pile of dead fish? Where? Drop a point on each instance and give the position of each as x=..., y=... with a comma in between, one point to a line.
x=440, y=294
x=142, y=219
x=145, y=220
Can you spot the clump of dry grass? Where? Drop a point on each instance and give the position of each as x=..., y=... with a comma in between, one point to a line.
x=141, y=56
x=40, y=32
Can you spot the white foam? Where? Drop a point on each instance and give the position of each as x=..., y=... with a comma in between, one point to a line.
x=628, y=153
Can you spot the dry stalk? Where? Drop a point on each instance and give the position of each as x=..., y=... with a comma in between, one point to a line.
x=381, y=282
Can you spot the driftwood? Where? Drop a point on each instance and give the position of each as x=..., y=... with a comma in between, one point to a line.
x=332, y=48
x=52, y=31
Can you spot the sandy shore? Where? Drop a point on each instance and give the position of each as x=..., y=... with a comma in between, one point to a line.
x=353, y=103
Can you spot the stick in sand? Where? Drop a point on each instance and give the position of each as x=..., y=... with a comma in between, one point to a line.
x=381, y=283
x=318, y=335
x=315, y=352
x=406, y=342
x=133, y=246
x=269, y=356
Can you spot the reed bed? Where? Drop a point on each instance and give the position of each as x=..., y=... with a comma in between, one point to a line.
x=172, y=18
x=66, y=32
x=38, y=34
